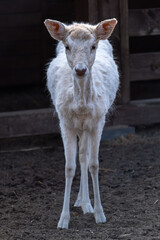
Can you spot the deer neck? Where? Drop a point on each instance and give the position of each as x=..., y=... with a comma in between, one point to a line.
x=83, y=88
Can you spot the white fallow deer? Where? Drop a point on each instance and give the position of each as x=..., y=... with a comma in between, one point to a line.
x=82, y=80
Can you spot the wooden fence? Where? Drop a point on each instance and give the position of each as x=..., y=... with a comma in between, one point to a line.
x=25, y=48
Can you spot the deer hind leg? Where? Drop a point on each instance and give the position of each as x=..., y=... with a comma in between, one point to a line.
x=83, y=199
x=94, y=169
x=70, y=147
x=78, y=202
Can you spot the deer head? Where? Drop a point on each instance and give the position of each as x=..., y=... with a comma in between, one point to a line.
x=80, y=42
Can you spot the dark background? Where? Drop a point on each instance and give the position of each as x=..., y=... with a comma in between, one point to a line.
x=26, y=48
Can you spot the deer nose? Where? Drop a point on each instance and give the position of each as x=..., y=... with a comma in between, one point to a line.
x=80, y=71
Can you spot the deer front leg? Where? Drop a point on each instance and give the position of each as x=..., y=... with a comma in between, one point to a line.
x=94, y=169
x=70, y=147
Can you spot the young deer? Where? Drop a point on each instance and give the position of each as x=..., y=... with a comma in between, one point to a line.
x=82, y=80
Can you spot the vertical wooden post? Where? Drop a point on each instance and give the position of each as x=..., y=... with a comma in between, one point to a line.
x=124, y=46
x=86, y=11
x=93, y=11
x=110, y=9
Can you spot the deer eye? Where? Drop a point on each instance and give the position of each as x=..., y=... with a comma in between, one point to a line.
x=93, y=47
x=67, y=48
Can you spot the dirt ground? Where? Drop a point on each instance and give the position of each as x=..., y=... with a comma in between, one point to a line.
x=32, y=187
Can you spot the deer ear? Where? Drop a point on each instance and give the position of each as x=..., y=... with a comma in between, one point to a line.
x=56, y=29
x=105, y=28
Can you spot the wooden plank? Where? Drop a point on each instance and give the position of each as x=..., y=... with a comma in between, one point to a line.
x=145, y=89
x=14, y=77
x=104, y=9
x=19, y=6
x=144, y=66
x=144, y=22
x=110, y=9
x=19, y=20
x=144, y=102
x=19, y=34
x=43, y=121
x=124, y=46
x=30, y=122
x=92, y=11
x=137, y=114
